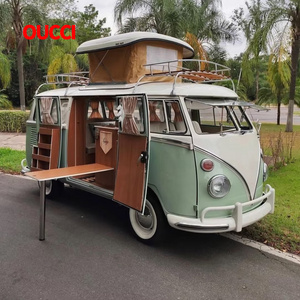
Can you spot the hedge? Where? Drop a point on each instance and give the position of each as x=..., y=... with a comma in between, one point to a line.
x=13, y=120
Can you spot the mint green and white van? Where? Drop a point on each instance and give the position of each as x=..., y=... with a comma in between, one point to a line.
x=150, y=128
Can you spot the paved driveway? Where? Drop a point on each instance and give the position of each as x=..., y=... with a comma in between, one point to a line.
x=89, y=253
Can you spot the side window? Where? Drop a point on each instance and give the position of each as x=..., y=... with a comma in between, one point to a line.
x=157, y=117
x=166, y=117
x=48, y=110
x=175, y=117
x=241, y=118
x=213, y=116
x=131, y=115
x=64, y=111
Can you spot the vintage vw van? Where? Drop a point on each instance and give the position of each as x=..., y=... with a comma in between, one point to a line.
x=150, y=133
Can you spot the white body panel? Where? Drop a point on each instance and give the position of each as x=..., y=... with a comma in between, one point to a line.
x=124, y=39
x=240, y=151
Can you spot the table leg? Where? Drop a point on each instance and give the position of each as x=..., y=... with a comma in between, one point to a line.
x=42, y=210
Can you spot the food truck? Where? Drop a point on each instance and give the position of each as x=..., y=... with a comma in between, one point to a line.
x=154, y=130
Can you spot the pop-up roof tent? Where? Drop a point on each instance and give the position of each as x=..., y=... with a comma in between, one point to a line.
x=122, y=58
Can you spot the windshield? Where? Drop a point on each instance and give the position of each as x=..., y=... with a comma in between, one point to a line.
x=213, y=118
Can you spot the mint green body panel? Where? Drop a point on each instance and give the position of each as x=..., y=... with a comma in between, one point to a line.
x=238, y=192
x=172, y=176
x=31, y=139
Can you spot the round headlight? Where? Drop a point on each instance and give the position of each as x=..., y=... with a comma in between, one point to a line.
x=219, y=186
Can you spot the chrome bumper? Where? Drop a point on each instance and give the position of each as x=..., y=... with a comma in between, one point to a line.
x=236, y=222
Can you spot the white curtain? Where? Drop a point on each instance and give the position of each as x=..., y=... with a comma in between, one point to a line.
x=129, y=124
x=45, y=107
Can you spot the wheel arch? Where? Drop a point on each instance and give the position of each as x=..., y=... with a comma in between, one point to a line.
x=152, y=192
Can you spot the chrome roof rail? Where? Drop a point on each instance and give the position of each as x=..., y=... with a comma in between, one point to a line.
x=204, y=71
x=76, y=78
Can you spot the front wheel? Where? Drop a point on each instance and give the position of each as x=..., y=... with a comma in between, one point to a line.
x=150, y=227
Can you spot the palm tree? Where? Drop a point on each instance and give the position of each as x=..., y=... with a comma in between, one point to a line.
x=278, y=77
x=61, y=57
x=17, y=22
x=157, y=15
x=252, y=26
x=5, y=75
x=176, y=18
x=281, y=19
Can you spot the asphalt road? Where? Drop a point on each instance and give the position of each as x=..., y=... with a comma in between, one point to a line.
x=90, y=253
x=270, y=116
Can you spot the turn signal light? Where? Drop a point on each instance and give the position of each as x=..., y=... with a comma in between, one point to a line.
x=207, y=165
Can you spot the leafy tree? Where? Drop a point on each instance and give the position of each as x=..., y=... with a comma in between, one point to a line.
x=31, y=12
x=88, y=26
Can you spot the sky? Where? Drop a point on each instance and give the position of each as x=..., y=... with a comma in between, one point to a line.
x=106, y=10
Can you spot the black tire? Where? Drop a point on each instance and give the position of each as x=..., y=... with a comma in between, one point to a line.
x=54, y=188
x=152, y=226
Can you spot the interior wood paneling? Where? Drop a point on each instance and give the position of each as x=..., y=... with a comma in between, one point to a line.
x=107, y=180
x=71, y=138
x=80, y=119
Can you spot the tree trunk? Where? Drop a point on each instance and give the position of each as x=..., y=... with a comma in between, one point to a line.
x=256, y=84
x=294, y=65
x=21, y=76
x=278, y=109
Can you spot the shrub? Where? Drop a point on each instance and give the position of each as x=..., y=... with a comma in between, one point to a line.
x=4, y=102
x=13, y=120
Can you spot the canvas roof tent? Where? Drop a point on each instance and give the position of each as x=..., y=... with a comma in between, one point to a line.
x=122, y=58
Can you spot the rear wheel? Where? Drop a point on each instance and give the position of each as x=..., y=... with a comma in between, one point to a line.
x=54, y=188
x=152, y=226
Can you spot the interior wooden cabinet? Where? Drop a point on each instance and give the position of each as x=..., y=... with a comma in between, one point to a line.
x=84, y=142
x=106, y=154
x=45, y=155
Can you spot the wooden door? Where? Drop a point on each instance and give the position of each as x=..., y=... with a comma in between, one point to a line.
x=133, y=152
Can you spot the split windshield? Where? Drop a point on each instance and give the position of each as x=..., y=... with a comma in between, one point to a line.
x=217, y=117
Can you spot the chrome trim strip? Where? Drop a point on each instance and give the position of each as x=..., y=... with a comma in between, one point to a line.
x=171, y=142
x=203, y=227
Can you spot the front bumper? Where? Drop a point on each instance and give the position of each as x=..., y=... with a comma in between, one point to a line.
x=265, y=205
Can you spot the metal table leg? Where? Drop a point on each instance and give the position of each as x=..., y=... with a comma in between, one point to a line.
x=42, y=210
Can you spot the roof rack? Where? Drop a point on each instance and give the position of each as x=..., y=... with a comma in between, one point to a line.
x=194, y=70
x=69, y=79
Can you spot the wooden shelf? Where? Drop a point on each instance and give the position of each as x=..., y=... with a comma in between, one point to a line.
x=44, y=146
x=41, y=157
x=45, y=154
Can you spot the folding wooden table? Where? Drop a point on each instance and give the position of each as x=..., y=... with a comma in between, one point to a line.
x=44, y=175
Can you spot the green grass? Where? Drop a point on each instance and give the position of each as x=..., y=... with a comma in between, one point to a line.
x=282, y=229
x=10, y=160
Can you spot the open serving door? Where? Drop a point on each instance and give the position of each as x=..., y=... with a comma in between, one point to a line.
x=133, y=151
